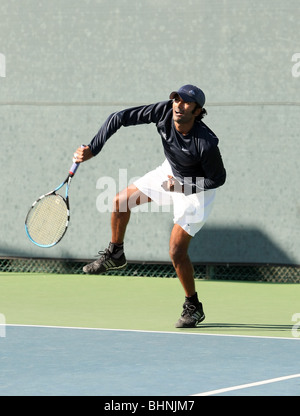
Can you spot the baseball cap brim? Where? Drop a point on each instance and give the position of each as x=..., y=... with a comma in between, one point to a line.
x=185, y=97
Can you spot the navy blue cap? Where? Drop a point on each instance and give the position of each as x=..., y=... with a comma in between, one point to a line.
x=190, y=94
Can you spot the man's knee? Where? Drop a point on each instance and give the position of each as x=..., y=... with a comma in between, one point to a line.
x=128, y=199
x=120, y=202
x=178, y=253
x=179, y=244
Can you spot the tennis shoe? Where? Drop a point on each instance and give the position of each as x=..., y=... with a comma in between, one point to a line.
x=191, y=315
x=107, y=261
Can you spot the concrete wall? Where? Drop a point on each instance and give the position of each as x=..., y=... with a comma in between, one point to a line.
x=66, y=65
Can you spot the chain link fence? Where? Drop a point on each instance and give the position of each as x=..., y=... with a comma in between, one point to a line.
x=238, y=272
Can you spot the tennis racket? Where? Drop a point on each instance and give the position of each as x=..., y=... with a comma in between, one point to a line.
x=49, y=216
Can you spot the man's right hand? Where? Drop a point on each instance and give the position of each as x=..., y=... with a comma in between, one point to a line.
x=82, y=154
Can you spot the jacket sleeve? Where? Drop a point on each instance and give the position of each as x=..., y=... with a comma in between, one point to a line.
x=214, y=173
x=130, y=117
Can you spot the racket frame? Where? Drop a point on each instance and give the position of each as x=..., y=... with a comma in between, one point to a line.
x=67, y=181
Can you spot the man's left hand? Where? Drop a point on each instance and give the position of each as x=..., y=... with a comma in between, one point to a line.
x=172, y=185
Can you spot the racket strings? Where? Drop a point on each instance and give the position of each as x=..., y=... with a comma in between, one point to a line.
x=48, y=219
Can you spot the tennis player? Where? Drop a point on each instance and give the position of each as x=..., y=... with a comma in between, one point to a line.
x=187, y=179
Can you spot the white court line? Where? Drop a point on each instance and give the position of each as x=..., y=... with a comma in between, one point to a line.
x=245, y=386
x=154, y=332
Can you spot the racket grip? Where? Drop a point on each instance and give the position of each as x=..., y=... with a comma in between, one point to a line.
x=75, y=166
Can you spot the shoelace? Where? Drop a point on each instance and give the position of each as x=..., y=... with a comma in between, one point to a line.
x=188, y=309
x=103, y=254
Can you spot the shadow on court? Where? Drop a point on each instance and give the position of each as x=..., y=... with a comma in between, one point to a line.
x=250, y=327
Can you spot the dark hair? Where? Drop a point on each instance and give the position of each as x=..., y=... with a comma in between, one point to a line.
x=202, y=114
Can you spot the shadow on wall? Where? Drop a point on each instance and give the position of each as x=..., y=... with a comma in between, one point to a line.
x=230, y=245
x=213, y=245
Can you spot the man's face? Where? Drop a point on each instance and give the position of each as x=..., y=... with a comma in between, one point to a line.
x=184, y=112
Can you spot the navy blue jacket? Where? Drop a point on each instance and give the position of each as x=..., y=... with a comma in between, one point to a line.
x=195, y=158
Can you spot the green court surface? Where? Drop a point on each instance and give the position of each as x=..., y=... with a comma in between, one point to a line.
x=148, y=304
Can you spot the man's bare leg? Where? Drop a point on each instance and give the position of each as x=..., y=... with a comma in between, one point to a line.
x=113, y=257
x=123, y=203
x=179, y=244
x=192, y=309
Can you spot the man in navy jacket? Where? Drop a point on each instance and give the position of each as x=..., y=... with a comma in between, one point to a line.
x=187, y=180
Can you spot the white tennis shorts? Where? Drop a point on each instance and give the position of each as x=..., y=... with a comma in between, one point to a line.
x=190, y=211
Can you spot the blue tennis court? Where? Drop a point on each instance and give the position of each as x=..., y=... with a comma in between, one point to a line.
x=78, y=361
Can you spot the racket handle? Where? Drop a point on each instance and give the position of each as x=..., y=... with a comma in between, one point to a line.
x=75, y=166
